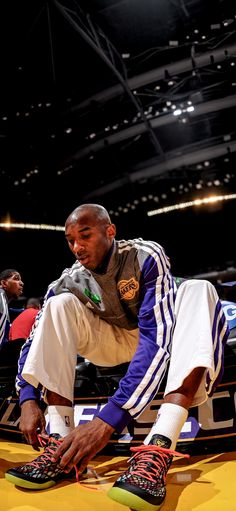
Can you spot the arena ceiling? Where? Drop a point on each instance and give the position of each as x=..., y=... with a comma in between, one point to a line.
x=128, y=103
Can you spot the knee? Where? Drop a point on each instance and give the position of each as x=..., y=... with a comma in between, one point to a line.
x=197, y=292
x=64, y=301
x=207, y=290
x=199, y=285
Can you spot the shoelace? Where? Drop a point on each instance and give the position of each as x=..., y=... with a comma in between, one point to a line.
x=144, y=453
x=45, y=441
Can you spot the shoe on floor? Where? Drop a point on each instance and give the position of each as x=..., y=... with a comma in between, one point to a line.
x=41, y=473
x=143, y=486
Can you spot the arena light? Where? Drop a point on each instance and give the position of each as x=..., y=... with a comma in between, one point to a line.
x=36, y=227
x=197, y=202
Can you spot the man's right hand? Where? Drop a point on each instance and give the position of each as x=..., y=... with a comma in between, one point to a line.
x=32, y=421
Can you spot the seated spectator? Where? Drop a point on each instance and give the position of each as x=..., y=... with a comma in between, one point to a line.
x=21, y=326
x=11, y=287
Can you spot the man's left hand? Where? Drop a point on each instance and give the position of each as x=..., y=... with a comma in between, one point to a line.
x=82, y=444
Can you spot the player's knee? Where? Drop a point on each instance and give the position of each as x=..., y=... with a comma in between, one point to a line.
x=62, y=301
x=197, y=284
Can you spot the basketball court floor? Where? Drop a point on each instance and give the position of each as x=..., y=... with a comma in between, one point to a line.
x=200, y=483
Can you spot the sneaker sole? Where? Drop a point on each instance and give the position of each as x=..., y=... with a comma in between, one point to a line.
x=29, y=485
x=131, y=500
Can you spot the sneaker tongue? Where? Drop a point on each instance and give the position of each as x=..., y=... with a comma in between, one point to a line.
x=55, y=435
x=160, y=440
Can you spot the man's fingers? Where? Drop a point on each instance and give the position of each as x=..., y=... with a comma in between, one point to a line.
x=43, y=424
x=68, y=454
x=68, y=457
x=68, y=467
x=34, y=444
x=82, y=464
x=33, y=441
x=35, y=447
x=61, y=449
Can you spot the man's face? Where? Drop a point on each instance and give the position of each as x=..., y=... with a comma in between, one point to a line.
x=13, y=286
x=89, y=241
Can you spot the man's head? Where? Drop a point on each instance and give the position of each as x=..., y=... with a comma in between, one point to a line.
x=10, y=281
x=33, y=303
x=89, y=233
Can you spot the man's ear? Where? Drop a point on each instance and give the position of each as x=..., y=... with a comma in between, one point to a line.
x=3, y=284
x=111, y=230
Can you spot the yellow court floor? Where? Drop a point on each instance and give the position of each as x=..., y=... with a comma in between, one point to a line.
x=200, y=483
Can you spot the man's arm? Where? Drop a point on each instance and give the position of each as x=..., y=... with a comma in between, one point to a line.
x=32, y=418
x=25, y=390
x=4, y=320
x=32, y=421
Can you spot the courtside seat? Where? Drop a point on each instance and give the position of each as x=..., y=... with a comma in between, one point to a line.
x=91, y=380
x=232, y=338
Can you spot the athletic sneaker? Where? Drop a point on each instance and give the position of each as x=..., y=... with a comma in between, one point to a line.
x=143, y=486
x=40, y=473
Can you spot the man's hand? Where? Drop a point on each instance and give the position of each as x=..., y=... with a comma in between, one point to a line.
x=32, y=418
x=82, y=444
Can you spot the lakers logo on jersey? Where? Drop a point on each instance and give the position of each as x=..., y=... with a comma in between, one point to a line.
x=128, y=288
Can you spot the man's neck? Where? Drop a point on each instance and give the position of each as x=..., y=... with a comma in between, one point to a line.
x=103, y=267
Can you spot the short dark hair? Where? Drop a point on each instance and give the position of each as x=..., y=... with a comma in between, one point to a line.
x=33, y=302
x=7, y=274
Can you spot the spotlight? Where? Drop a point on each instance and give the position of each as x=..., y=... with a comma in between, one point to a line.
x=178, y=111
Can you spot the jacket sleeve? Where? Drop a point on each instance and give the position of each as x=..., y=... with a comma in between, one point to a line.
x=24, y=389
x=4, y=320
x=147, y=368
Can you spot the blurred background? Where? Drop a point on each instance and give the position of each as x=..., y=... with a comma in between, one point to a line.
x=127, y=103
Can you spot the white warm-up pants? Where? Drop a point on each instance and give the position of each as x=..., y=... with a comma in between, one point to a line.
x=67, y=327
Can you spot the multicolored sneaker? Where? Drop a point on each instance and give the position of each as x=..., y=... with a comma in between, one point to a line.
x=143, y=486
x=40, y=473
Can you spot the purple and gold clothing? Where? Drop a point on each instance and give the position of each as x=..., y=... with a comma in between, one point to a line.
x=136, y=290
